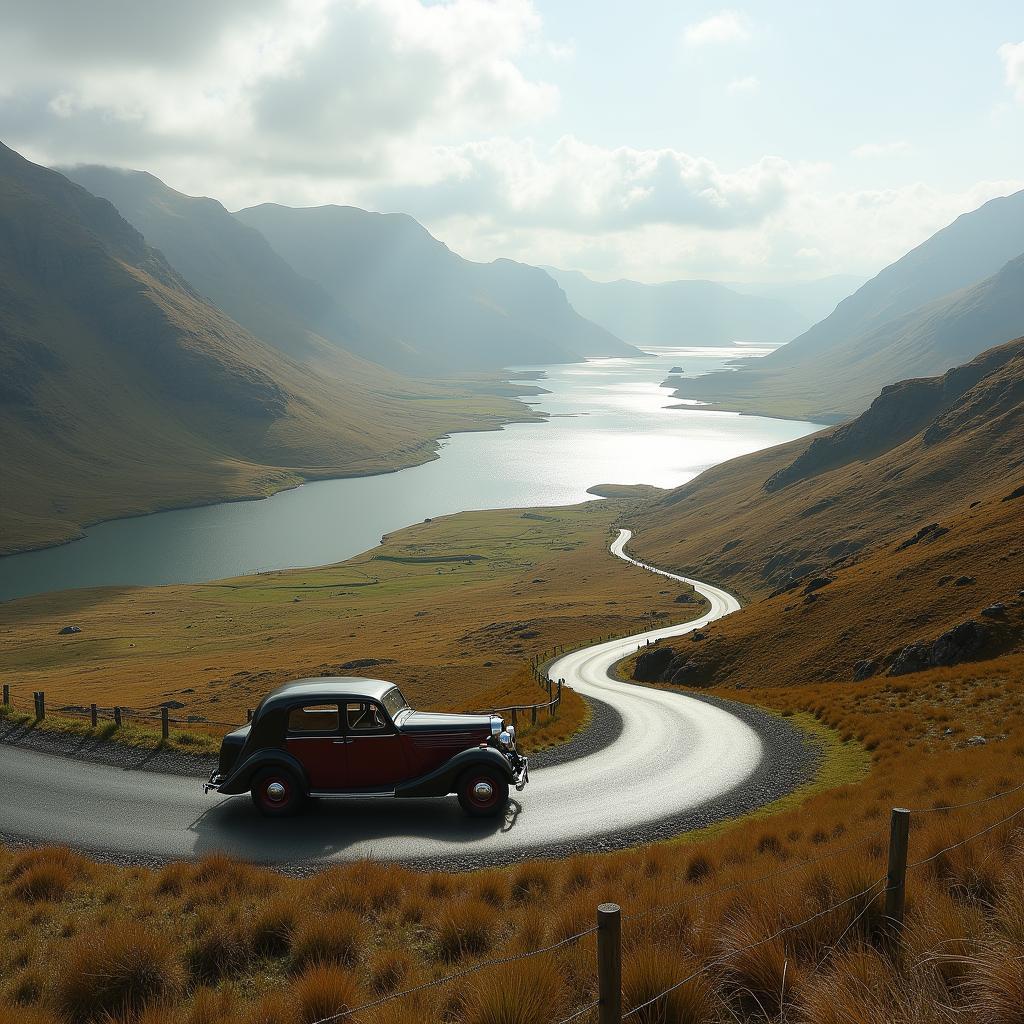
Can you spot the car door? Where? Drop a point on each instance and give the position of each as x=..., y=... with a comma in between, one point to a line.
x=374, y=751
x=314, y=737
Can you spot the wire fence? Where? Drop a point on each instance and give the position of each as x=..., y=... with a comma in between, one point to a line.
x=891, y=885
x=886, y=885
x=118, y=714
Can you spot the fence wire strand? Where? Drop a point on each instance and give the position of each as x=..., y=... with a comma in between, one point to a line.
x=717, y=962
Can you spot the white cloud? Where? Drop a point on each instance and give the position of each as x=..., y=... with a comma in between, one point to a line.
x=727, y=26
x=1012, y=56
x=816, y=231
x=747, y=86
x=871, y=150
x=585, y=188
x=325, y=85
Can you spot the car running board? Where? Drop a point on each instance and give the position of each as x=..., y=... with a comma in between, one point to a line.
x=351, y=794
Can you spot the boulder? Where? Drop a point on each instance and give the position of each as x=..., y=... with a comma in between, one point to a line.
x=651, y=665
x=927, y=533
x=817, y=583
x=994, y=611
x=367, y=663
x=68, y=630
x=964, y=581
x=686, y=599
x=864, y=669
x=913, y=658
x=690, y=673
x=977, y=741
x=955, y=645
x=171, y=705
x=958, y=643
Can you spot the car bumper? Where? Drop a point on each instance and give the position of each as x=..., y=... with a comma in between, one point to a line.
x=521, y=776
x=216, y=781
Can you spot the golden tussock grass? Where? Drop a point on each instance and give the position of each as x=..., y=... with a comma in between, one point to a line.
x=772, y=912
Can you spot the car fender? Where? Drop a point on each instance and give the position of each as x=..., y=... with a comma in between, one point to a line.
x=240, y=779
x=442, y=781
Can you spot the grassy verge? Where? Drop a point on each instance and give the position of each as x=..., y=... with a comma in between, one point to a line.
x=187, y=741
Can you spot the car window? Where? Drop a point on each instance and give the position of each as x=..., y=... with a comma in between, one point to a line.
x=365, y=716
x=313, y=718
x=394, y=701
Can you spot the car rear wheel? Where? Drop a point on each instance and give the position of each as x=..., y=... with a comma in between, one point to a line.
x=483, y=793
x=277, y=792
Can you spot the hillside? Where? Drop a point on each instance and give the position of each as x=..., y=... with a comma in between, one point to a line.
x=868, y=538
x=124, y=391
x=388, y=271
x=813, y=299
x=944, y=302
x=679, y=312
x=234, y=266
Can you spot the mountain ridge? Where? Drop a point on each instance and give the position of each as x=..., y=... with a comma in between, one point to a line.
x=126, y=391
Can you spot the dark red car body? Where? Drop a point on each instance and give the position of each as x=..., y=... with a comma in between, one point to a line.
x=354, y=737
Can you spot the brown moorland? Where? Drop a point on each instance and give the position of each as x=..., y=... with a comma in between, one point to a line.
x=779, y=919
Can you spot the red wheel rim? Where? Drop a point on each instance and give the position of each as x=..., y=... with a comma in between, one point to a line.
x=482, y=792
x=275, y=791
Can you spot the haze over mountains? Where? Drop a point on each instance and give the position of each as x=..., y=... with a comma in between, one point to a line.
x=377, y=285
x=953, y=296
x=679, y=312
x=123, y=390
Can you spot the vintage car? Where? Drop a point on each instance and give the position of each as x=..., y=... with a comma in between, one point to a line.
x=347, y=737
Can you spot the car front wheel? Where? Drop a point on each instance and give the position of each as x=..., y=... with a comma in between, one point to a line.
x=483, y=793
x=276, y=792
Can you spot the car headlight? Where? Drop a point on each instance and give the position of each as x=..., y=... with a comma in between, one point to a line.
x=505, y=739
x=496, y=726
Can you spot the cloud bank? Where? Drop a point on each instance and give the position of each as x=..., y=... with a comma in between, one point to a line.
x=445, y=110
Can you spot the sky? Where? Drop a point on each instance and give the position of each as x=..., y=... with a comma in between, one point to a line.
x=767, y=141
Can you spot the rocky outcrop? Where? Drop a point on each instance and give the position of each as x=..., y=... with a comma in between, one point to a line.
x=931, y=404
x=961, y=643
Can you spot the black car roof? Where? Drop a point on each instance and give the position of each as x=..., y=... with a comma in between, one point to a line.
x=329, y=688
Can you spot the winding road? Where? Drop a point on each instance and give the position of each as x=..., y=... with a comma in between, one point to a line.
x=677, y=762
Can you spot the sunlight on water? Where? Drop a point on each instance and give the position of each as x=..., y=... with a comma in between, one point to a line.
x=611, y=422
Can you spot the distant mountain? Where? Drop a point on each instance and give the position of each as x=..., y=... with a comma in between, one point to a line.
x=813, y=300
x=949, y=299
x=388, y=271
x=235, y=267
x=679, y=312
x=122, y=390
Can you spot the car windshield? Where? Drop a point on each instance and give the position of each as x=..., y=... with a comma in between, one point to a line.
x=394, y=702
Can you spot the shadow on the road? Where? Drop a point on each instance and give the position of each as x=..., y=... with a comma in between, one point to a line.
x=327, y=828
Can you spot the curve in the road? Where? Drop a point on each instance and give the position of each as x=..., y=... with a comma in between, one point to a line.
x=677, y=762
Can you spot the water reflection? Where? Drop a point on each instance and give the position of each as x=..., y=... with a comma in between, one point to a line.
x=611, y=422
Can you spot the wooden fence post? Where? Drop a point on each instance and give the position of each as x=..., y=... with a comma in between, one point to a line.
x=40, y=705
x=117, y=717
x=896, y=877
x=165, y=724
x=533, y=714
x=609, y=963
x=93, y=715
x=7, y=695
x=515, y=718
